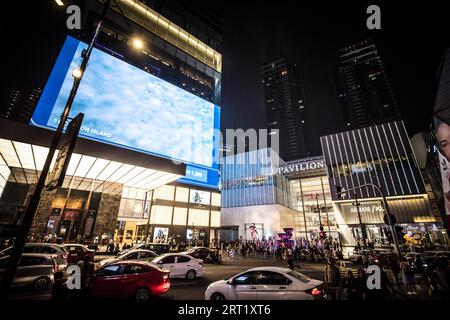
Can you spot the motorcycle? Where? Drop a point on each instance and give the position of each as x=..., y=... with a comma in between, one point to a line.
x=214, y=258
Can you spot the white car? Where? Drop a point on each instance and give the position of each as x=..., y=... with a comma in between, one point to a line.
x=180, y=265
x=139, y=254
x=266, y=283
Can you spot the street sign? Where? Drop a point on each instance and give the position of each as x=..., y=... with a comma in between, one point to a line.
x=68, y=140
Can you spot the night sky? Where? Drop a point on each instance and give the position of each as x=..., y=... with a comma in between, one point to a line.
x=411, y=43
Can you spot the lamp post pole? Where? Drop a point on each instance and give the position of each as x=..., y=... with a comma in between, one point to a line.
x=388, y=213
x=361, y=225
x=33, y=203
x=318, y=210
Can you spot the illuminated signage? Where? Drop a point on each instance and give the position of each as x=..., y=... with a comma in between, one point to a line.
x=300, y=167
x=131, y=108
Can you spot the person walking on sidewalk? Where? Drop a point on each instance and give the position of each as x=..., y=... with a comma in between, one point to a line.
x=361, y=284
x=332, y=280
x=408, y=277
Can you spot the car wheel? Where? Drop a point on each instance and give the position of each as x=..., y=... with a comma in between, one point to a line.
x=41, y=283
x=142, y=295
x=217, y=296
x=190, y=275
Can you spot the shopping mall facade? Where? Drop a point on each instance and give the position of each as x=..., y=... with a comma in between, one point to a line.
x=145, y=164
x=306, y=191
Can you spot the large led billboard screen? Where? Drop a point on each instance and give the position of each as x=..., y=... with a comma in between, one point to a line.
x=128, y=107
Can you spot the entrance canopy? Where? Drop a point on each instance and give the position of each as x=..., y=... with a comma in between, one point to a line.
x=95, y=166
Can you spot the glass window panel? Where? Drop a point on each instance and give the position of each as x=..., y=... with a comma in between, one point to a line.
x=131, y=193
x=215, y=199
x=198, y=217
x=164, y=192
x=123, y=203
x=140, y=194
x=182, y=194
x=161, y=215
x=179, y=216
x=215, y=218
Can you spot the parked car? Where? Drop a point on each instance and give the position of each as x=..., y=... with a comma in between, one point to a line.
x=78, y=252
x=266, y=283
x=35, y=270
x=181, y=265
x=435, y=256
x=140, y=254
x=130, y=280
x=45, y=248
x=158, y=248
x=205, y=254
x=357, y=256
x=411, y=256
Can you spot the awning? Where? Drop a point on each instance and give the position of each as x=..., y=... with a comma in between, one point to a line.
x=95, y=166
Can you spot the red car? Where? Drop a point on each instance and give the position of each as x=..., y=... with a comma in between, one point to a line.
x=78, y=252
x=129, y=279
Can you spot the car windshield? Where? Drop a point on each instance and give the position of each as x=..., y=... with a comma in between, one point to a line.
x=299, y=276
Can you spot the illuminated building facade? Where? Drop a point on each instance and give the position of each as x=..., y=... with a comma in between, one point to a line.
x=254, y=195
x=151, y=106
x=380, y=155
x=311, y=197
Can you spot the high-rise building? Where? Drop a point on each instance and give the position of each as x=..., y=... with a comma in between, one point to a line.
x=164, y=96
x=364, y=92
x=20, y=106
x=285, y=107
x=359, y=162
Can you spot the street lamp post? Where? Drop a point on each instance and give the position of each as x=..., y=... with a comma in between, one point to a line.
x=388, y=214
x=318, y=210
x=361, y=225
x=33, y=203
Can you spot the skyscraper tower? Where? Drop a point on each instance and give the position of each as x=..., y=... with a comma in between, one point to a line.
x=365, y=94
x=285, y=107
x=20, y=106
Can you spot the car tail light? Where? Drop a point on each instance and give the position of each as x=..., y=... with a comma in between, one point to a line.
x=64, y=256
x=314, y=292
x=165, y=276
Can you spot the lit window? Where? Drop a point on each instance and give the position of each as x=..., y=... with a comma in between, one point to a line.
x=179, y=216
x=182, y=194
x=164, y=192
x=215, y=218
x=215, y=199
x=198, y=217
x=161, y=215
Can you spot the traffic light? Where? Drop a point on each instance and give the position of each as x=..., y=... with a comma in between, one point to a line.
x=322, y=235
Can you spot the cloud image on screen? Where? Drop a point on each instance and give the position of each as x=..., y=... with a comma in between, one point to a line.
x=130, y=107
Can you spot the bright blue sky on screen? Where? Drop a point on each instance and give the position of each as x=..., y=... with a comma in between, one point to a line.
x=125, y=105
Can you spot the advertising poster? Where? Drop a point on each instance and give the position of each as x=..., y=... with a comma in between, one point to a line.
x=441, y=123
x=254, y=231
x=160, y=234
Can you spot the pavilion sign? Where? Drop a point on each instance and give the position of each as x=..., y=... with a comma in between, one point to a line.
x=301, y=167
